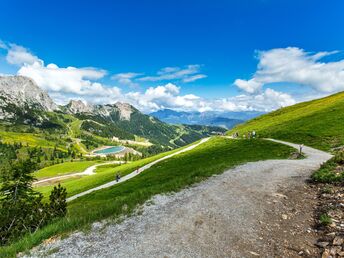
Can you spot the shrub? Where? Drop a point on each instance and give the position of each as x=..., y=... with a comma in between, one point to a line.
x=58, y=204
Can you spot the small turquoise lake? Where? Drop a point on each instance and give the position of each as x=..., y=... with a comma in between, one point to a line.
x=110, y=150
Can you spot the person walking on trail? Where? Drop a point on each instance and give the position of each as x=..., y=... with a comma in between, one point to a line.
x=301, y=147
x=253, y=134
x=118, y=177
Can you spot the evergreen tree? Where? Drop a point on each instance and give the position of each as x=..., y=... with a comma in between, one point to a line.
x=58, y=204
x=21, y=208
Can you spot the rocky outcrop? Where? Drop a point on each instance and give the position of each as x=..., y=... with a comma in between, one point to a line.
x=124, y=110
x=78, y=106
x=24, y=92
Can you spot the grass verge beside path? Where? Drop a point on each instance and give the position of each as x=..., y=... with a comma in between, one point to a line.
x=171, y=175
x=331, y=171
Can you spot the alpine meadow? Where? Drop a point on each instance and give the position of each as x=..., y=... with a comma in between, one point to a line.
x=171, y=129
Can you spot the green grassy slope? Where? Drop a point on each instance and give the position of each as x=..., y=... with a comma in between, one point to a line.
x=318, y=123
x=63, y=168
x=103, y=175
x=212, y=157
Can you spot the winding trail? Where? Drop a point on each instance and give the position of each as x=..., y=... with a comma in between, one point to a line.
x=134, y=173
x=234, y=214
x=87, y=172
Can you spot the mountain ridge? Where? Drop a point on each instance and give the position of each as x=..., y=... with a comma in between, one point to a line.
x=26, y=104
x=211, y=118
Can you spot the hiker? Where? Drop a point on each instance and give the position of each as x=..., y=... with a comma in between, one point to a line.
x=137, y=170
x=301, y=146
x=118, y=177
x=253, y=134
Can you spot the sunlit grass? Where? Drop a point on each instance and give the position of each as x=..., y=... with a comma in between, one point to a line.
x=318, y=123
x=170, y=175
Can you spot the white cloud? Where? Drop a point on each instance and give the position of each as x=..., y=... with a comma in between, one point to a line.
x=295, y=65
x=65, y=83
x=250, y=86
x=188, y=74
x=194, y=78
x=168, y=96
x=163, y=96
x=126, y=78
x=62, y=81
x=19, y=55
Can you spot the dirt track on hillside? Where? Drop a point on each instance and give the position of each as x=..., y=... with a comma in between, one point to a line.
x=260, y=209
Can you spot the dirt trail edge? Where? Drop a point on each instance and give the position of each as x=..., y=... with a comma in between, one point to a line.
x=259, y=209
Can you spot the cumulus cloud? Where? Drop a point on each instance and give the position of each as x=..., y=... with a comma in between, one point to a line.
x=58, y=81
x=65, y=83
x=295, y=65
x=250, y=86
x=160, y=97
x=19, y=55
x=168, y=96
x=189, y=73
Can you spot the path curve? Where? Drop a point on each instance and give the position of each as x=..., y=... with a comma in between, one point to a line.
x=229, y=215
x=87, y=172
x=136, y=172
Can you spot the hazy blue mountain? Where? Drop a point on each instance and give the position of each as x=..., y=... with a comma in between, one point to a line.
x=213, y=118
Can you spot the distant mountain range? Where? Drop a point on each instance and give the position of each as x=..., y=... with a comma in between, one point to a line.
x=211, y=118
x=26, y=107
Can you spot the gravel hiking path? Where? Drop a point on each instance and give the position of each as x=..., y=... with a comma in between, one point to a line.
x=259, y=209
x=87, y=172
x=136, y=172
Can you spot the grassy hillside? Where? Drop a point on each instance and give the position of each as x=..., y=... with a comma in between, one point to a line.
x=103, y=175
x=318, y=123
x=63, y=168
x=212, y=157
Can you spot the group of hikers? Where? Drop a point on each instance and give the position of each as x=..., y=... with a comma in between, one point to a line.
x=249, y=135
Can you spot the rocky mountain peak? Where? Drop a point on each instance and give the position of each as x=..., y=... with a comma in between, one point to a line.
x=78, y=106
x=125, y=110
x=23, y=91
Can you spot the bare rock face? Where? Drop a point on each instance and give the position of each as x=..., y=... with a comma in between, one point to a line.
x=78, y=106
x=23, y=92
x=125, y=110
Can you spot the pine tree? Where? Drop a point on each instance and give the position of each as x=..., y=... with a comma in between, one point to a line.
x=58, y=204
x=21, y=208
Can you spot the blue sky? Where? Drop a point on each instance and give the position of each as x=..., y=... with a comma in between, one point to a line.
x=205, y=46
